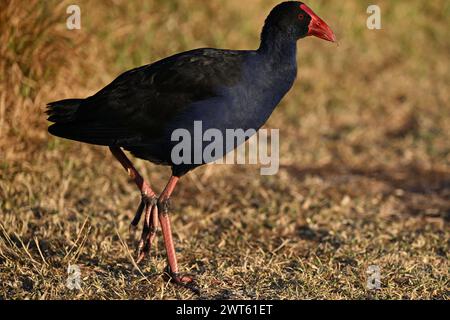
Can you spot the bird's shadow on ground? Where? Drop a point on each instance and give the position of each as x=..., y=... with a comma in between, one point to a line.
x=420, y=189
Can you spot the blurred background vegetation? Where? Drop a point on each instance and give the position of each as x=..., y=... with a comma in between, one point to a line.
x=365, y=164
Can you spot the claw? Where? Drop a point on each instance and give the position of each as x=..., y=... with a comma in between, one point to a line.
x=137, y=216
x=141, y=257
x=185, y=280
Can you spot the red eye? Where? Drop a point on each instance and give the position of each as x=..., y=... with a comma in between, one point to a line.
x=301, y=16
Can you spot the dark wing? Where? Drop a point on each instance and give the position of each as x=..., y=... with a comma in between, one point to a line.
x=135, y=107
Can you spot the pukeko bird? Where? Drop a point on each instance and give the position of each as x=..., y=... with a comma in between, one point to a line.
x=223, y=89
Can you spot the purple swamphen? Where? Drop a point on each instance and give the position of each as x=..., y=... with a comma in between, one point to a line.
x=224, y=89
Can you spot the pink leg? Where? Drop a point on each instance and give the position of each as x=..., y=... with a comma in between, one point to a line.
x=148, y=205
x=132, y=172
x=155, y=209
x=164, y=220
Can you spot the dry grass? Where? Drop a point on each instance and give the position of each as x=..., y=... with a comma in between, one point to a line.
x=365, y=176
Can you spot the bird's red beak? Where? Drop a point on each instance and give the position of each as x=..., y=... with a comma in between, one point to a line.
x=318, y=27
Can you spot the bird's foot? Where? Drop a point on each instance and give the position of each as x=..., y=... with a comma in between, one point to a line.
x=146, y=201
x=150, y=228
x=182, y=279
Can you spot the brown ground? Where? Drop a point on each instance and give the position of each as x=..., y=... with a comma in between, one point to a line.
x=365, y=159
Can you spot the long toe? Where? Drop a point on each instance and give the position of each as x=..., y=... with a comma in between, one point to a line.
x=183, y=279
x=137, y=216
x=149, y=231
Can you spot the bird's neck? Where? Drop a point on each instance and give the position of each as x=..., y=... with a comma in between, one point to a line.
x=276, y=47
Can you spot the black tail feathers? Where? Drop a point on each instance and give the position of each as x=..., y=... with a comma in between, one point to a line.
x=63, y=111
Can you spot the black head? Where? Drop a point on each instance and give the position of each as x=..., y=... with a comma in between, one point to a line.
x=296, y=20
